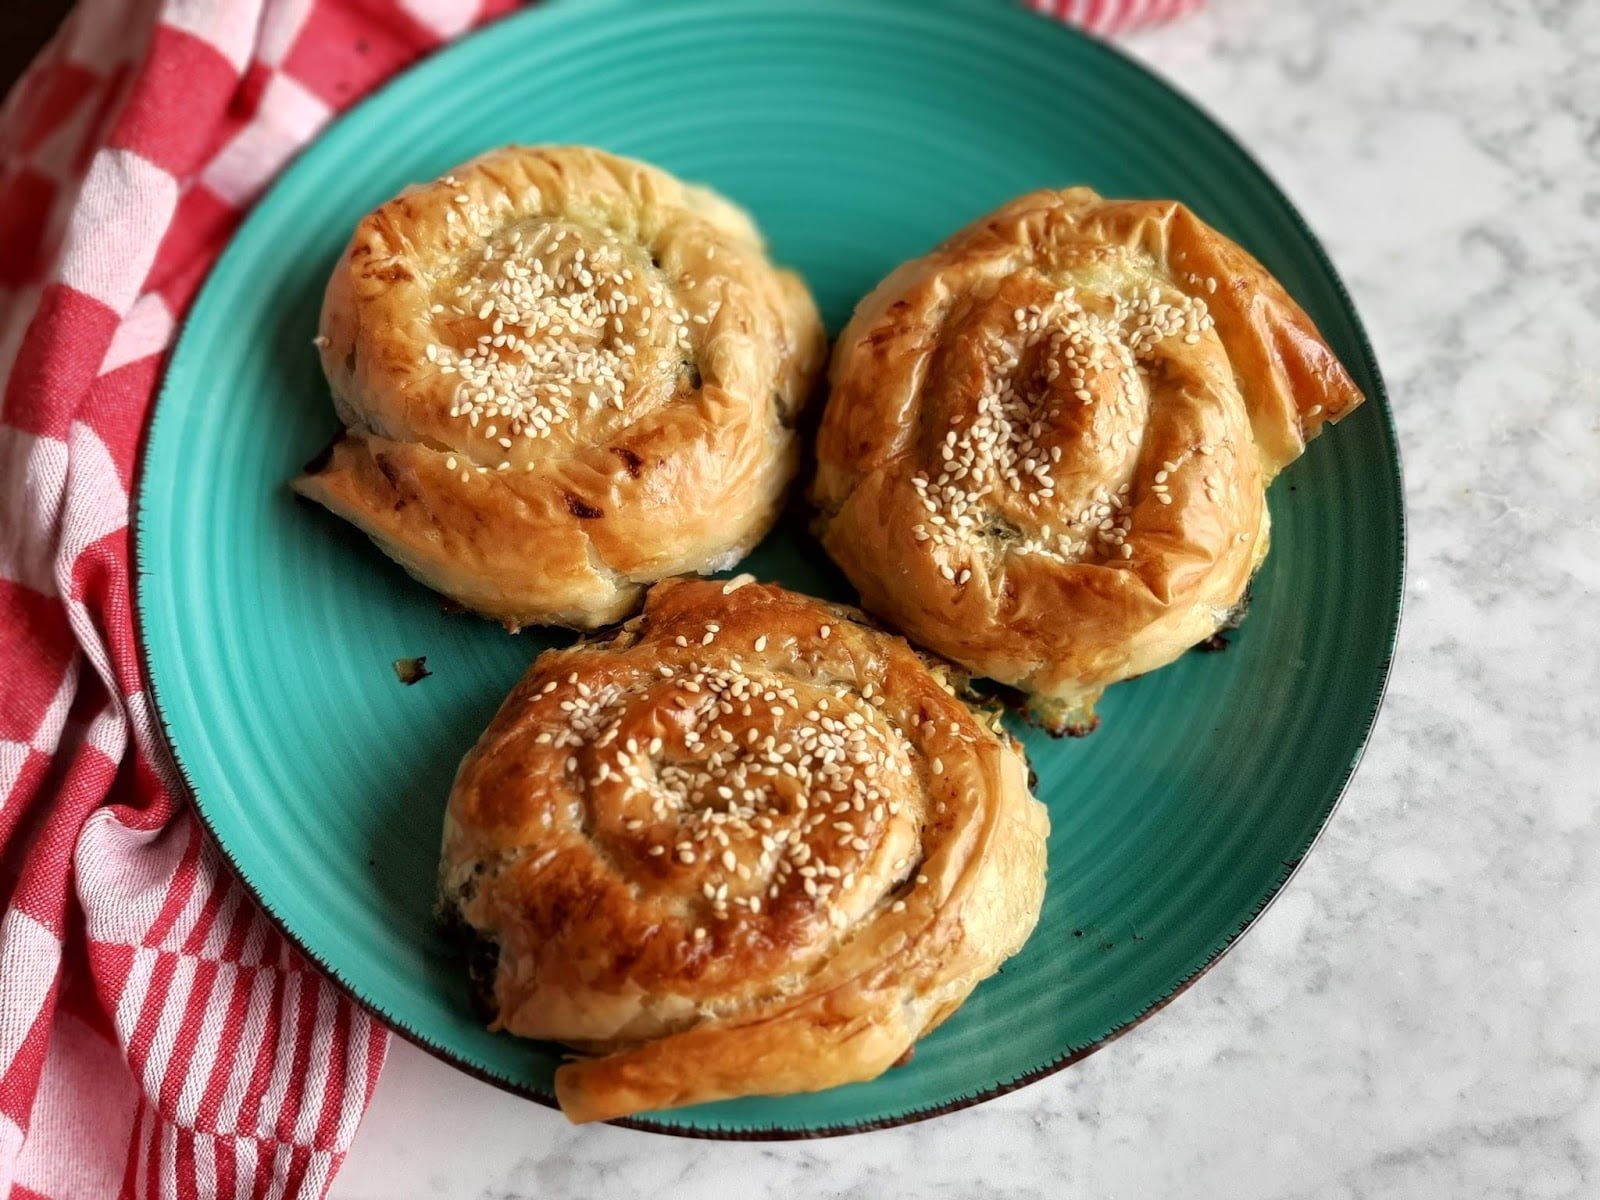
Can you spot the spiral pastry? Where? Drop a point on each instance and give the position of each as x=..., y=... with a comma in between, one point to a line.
x=1047, y=447
x=563, y=375
x=749, y=845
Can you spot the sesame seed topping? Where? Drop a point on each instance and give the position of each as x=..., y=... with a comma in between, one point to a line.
x=993, y=489
x=790, y=796
x=561, y=326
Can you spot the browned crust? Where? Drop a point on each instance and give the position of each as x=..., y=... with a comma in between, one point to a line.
x=1230, y=409
x=597, y=936
x=687, y=474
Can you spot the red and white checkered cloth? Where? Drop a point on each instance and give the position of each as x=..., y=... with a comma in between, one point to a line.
x=157, y=1036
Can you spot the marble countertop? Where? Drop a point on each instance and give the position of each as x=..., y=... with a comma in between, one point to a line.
x=1419, y=1013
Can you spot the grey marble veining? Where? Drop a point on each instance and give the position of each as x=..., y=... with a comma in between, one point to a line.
x=1419, y=1014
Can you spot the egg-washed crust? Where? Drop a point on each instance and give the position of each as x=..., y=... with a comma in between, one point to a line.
x=464, y=333
x=750, y=845
x=1047, y=444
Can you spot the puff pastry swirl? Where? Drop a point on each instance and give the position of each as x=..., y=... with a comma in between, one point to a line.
x=749, y=845
x=1046, y=450
x=563, y=375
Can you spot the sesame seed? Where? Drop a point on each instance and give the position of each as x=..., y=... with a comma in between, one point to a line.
x=723, y=803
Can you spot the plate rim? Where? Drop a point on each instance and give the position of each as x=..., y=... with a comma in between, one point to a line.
x=1378, y=398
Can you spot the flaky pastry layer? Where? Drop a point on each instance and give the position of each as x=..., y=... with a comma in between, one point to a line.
x=1046, y=450
x=750, y=845
x=563, y=375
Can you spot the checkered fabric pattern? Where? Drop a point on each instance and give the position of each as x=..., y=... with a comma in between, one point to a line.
x=1113, y=16
x=158, y=1037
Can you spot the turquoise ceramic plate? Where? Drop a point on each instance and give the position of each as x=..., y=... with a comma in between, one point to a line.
x=859, y=134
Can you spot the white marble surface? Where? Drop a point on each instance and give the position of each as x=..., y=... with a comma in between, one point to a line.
x=1419, y=1014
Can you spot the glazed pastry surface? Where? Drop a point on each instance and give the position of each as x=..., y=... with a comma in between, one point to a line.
x=749, y=845
x=1047, y=446
x=563, y=375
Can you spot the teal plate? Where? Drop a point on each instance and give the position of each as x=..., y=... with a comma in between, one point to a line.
x=859, y=134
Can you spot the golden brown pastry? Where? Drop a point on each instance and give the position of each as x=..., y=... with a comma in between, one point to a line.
x=750, y=845
x=1047, y=445
x=563, y=375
